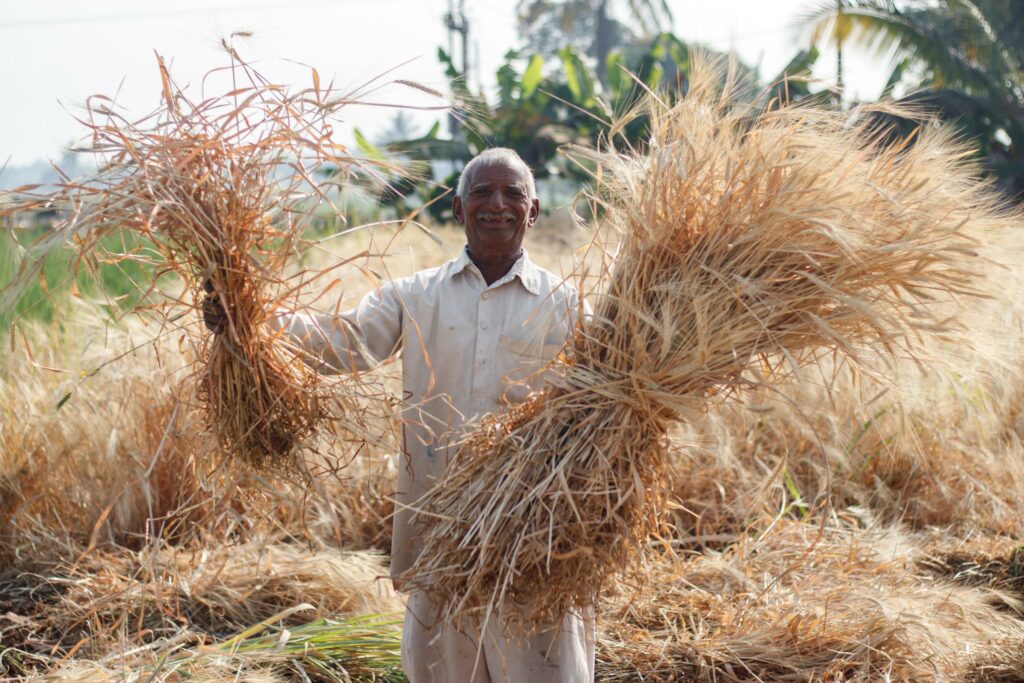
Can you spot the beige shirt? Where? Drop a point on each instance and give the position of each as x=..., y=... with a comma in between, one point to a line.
x=467, y=349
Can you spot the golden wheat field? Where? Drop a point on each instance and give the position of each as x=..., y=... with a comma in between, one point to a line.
x=854, y=534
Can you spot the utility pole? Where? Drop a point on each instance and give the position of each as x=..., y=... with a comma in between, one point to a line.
x=840, y=34
x=455, y=21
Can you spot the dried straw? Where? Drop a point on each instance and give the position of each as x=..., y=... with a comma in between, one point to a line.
x=221, y=191
x=753, y=243
x=161, y=597
x=798, y=603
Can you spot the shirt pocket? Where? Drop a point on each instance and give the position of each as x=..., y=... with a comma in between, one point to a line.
x=520, y=364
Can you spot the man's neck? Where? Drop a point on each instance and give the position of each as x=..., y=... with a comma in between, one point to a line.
x=493, y=268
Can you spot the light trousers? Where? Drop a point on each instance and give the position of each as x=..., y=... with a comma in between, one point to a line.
x=433, y=652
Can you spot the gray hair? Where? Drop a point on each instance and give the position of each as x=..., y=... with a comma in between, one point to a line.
x=497, y=156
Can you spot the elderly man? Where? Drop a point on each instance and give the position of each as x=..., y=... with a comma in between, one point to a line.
x=473, y=334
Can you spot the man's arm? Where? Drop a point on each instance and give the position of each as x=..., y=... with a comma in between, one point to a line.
x=356, y=340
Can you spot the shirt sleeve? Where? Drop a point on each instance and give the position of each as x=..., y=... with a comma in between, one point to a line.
x=353, y=341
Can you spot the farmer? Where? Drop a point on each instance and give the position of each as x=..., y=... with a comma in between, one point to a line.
x=473, y=335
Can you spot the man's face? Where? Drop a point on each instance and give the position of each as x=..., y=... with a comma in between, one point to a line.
x=496, y=211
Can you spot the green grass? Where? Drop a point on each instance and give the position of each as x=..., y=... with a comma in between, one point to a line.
x=353, y=648
x=117, y=284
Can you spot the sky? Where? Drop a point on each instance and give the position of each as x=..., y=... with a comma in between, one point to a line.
x=57, y=53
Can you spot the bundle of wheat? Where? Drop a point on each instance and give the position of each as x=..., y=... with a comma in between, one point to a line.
x=753, y=243
x=220, y=191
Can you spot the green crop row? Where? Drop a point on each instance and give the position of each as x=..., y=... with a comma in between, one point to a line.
x=116, y=281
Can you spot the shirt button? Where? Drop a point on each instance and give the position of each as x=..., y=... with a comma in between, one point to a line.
x=483, y=325
x=484, y=295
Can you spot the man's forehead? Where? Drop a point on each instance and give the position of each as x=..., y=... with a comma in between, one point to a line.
x=498, y=172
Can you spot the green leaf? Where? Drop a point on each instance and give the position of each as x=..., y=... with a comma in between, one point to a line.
x=653, y=77
x=508, y=79
x=449, y=66
x=791, y=83
x=367, y=147
x=577, y=77
x=658, y=50
x=800, y=64
x=794, y=493
x=571, y=79
x=63, y=399
x=679, y=52
x=532, y=76
x=617, y=78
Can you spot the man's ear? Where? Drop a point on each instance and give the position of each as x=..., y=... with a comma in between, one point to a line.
x=534, y=212
x=457, y=210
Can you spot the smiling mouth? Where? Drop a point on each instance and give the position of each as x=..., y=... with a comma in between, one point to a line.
x=496, y=218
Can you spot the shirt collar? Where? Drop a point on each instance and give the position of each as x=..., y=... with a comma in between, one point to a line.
x=524, y=269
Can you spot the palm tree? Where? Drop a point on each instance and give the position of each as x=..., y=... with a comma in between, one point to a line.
x=548, y=24
x=961, y=57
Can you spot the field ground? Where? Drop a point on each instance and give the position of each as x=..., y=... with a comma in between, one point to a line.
x=873, y=531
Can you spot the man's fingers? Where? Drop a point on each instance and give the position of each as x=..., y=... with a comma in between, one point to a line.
x=213, y=315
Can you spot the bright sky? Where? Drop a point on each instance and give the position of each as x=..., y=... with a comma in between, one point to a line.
x=56, y=53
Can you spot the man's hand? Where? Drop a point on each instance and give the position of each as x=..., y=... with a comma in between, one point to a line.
x=214, y=317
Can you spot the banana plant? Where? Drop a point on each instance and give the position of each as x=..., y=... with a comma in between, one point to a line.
x=543, y=103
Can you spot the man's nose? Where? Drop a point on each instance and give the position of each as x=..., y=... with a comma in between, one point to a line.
x=496, y=200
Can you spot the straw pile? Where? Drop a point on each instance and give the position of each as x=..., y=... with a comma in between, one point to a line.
x=176, y=604
x=220, y=191
x=946, y=455
x=119, y=544
x=123, y=462
x=167, y=596
x=753, y=243
x=804, y=603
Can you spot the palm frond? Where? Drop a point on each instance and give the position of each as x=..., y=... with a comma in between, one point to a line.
x=922, y=33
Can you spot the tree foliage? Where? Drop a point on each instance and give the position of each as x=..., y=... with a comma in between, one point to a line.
x=590, y=27
x=543, y=103
x=961, y=58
